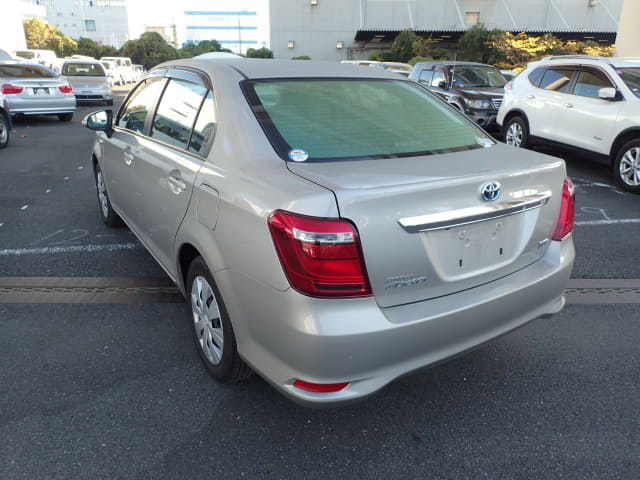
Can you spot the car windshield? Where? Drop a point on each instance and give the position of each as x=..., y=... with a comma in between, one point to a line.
x=83, y=69
x=329, y=119
x=476, y=76
x=26, y=71
x=631, y=76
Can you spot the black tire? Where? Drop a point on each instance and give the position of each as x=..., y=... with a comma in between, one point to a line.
x=5, y=130
x=107, y=213
x=211, y=327
x=626, y=166
x=65, y=117
x=516, y=132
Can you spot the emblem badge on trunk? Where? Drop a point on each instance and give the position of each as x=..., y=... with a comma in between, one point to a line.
x=490, y=191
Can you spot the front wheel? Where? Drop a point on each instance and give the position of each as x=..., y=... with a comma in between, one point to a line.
x=211, y=326
x=516, y=132
x=5, y=130
x=108, y=214
x=626, y=166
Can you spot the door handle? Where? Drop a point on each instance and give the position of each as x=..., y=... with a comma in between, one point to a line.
x=567, y=105
x=176, y=185
x=128, y=158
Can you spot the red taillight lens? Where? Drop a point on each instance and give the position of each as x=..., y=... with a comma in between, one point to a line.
x=7, y=89
x=564, y=226
x=65, y=89
x=321, y=257
x=319, y=387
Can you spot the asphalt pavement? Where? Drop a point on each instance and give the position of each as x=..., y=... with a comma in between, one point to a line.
x=114, y=388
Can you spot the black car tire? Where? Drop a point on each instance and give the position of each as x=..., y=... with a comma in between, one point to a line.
x=65, y=117
x=626, y=166
x=5, y=129
x=516, y=132
x=107, y=213
x=211, y=326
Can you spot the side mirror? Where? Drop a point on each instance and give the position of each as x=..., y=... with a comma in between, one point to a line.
x=608, y=93
x=100, y=121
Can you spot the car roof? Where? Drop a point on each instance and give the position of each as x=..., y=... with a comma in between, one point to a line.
x=591, y=59
x=452, y=63
x=254, y=68
x=80, y=60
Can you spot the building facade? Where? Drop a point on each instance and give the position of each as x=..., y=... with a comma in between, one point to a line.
x=352, y=29
x=240, y=27
x=11, y=30
x=103, y=21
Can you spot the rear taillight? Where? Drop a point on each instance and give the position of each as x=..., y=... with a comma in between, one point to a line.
x=320, y=256
x=65, y=89
x=564, y=225
x=8, y=89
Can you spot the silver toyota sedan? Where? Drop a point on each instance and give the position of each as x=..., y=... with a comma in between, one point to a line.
x=333, y=227
x=32, y=89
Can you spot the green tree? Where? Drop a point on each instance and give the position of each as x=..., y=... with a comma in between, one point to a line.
x=194, y=49
x=40, y=35
x=475, y=43
x=263, y=52
x=402, y=47
x=149, y=50
x=301, y=57
x=88, y=47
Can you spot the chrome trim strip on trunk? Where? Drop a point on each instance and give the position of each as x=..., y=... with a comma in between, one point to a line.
x=465, y=216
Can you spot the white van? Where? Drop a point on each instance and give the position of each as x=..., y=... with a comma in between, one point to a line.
x=47, y=58
x=124, y=69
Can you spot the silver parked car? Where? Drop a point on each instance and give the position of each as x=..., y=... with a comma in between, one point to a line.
x=333, y=227
x=89, y=80
x=32, y=89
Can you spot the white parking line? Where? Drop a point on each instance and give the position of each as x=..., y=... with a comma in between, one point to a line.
x=17, y=252
x=617, y=221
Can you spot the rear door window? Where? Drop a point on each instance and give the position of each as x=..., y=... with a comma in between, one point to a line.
x=205, y=127
x=557, y=80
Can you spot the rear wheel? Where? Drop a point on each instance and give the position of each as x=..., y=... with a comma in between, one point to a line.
x=626, y=166
x=5, y=130
x=65, y=117
x=211, y=326
x=516, y=132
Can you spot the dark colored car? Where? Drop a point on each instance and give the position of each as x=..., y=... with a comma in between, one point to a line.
x=474, y=88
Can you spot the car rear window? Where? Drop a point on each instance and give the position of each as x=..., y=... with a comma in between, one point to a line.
x=26, y=71
x=83, y=69
x=329, y=119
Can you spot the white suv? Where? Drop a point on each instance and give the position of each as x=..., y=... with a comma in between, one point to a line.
x=585, y=102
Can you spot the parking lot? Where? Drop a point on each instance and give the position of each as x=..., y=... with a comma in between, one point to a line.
x=99, y=378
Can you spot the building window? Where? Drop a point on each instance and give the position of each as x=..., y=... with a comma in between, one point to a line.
x=290, y=44
x=471, y=18
x=90, y=25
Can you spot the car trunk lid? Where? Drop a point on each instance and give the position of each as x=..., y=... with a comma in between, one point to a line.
x=424, y=227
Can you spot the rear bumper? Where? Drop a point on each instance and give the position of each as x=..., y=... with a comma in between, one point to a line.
x=286, y=336
x=55, y=106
